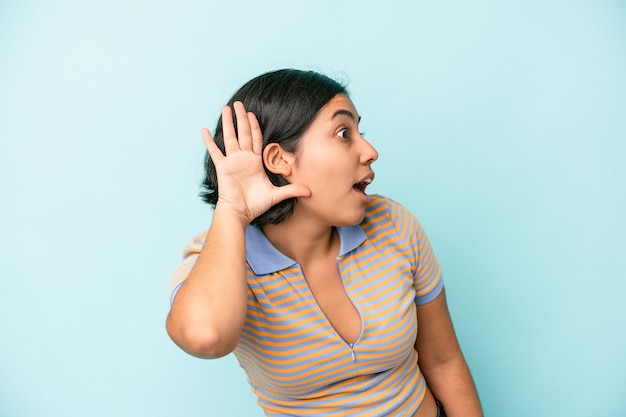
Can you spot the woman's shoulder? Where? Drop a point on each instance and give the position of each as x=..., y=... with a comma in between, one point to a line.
x=387, y=213
x=380, y=205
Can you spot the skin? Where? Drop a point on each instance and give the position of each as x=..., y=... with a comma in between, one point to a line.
x=208, y=312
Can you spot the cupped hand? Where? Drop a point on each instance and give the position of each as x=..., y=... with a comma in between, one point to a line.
x=243, y=185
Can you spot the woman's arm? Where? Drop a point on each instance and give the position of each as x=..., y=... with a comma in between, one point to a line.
x=208, y=313
x=442, y=362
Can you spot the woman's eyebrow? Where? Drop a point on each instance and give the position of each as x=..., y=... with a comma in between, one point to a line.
x=343, y=112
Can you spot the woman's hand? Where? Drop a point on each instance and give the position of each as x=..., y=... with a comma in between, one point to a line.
x=243, y=185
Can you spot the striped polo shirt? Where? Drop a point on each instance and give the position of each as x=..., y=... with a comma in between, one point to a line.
x=296, y=363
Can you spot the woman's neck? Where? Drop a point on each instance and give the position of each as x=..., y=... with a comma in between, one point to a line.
x=305, y=241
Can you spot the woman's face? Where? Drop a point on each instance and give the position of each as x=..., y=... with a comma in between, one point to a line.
x=334, y=161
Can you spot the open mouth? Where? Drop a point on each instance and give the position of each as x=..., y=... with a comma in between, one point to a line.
x=361, y=186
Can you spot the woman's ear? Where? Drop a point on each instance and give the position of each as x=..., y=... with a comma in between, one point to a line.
x=277, y=160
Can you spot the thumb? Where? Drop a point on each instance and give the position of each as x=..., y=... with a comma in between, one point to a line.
x=290, y=191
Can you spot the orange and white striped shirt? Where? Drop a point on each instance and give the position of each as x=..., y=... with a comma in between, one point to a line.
x=296, y=363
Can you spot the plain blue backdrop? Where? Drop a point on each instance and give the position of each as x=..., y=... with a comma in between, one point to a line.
x=501, y=124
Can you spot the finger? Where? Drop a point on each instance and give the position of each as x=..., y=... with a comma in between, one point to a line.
x=257, y=135
x=243, y=127
x=214, y=151
x=228, y=131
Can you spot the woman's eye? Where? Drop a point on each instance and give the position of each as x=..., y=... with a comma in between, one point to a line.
x=343, y=133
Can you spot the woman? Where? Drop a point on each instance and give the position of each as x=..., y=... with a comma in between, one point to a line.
x=314, y=285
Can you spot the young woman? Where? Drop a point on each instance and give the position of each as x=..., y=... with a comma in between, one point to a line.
x=314, y=285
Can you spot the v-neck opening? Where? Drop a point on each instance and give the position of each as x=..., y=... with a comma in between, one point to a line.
x=350, y=344
x=264, y=258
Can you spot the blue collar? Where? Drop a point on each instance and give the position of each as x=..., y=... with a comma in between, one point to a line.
x=264, y=258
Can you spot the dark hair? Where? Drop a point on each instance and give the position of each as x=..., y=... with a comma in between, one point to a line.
x=285, y=103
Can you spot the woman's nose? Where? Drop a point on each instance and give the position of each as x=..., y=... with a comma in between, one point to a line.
x=370, y=154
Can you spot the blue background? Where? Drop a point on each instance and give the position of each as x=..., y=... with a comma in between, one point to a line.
x=500, y=124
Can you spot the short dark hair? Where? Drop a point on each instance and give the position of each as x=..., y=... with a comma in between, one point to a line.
x=285, y=103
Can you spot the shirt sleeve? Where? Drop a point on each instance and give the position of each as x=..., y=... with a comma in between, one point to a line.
x=427, y=277
x=427, y=281
x=190, y=255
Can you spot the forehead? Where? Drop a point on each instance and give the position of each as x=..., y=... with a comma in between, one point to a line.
x=340, y=105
